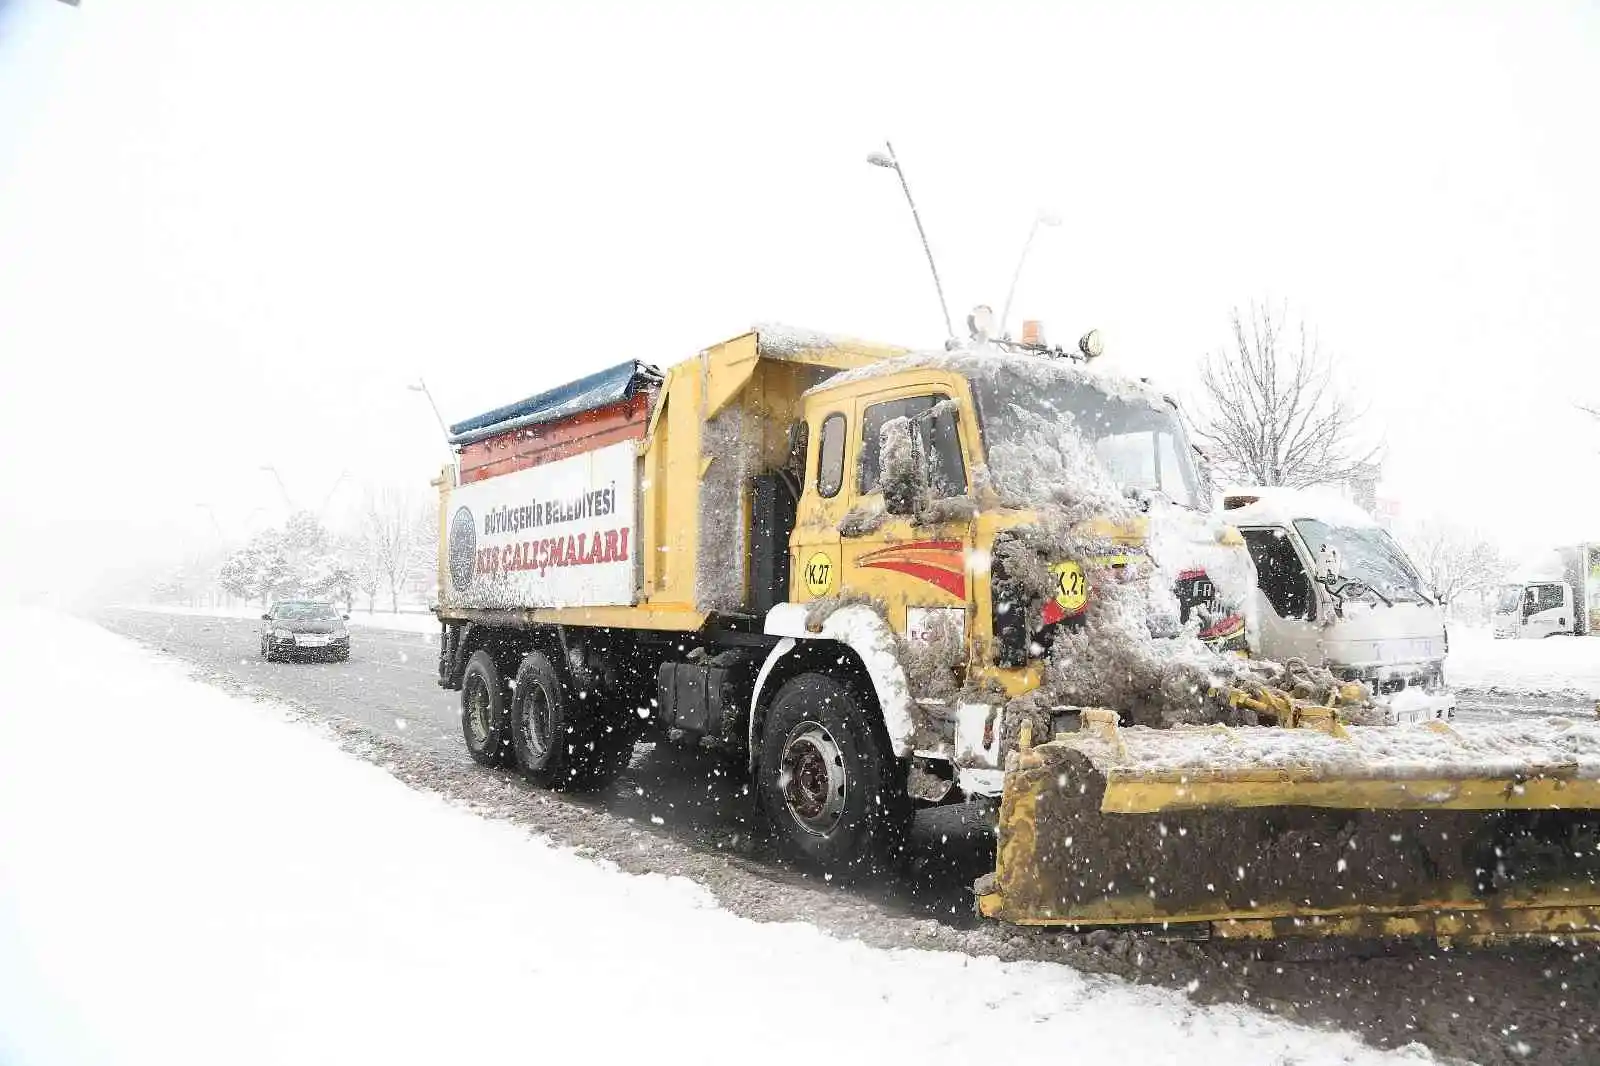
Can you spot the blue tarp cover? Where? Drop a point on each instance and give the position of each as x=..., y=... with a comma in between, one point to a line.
x=603, y=387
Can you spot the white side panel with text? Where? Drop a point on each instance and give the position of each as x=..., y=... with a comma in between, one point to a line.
x=558, y=535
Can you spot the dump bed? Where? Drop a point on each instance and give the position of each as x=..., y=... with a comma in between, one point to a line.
x=626, y=498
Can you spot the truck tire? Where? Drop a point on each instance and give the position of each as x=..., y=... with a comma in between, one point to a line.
x=557, y=746
x=831, y=790
x=485, y=717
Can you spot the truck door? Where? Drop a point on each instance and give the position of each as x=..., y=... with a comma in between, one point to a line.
x=917, y=566
x=1546, y=609
x=814, y=545
x=1286, y=600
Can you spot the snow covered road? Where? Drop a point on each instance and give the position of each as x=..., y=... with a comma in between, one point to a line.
x=208, y=882
x=1497, y=679
x=667, y=815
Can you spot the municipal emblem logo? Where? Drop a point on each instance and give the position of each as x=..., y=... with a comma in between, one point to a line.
x=463, y=548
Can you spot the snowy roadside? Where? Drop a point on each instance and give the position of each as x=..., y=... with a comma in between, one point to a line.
x=404, y=622
x=1558, y=665
x=162, y=902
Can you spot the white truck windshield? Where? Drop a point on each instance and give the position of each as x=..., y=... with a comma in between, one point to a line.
x=1509, y=600
x=1368, y=555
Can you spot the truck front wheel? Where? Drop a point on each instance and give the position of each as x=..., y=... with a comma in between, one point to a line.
x=559, y=746
x=484, y=714
x=830, y=790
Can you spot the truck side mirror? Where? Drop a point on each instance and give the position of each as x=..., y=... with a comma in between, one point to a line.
x=1329, y=567
x=266, y=618
x=902, y=466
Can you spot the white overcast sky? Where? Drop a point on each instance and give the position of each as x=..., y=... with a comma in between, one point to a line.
x=230, y=232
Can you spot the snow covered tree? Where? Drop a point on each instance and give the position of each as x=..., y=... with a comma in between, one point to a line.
x=365, y=574
x=398, y=537
x=1454, y=559
x=1271, y=411
x=296, y=561
x=259, y=569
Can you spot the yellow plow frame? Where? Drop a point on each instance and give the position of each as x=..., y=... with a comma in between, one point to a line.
x=1431, y=830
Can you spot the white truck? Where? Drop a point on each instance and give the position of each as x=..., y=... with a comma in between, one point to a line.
x=1550, y=605
x=1336, y=590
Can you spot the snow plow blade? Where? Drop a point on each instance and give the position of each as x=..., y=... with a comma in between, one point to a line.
x=1265, y=832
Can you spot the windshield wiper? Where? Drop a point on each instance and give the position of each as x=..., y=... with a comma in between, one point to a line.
x=1344, y=583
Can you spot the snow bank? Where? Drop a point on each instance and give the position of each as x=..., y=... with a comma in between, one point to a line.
x=203, y=882
x=1558, y=664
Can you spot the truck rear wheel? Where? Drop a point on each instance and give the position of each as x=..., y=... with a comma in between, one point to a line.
x=557, y=745
x=485, y=712
x=830, y=789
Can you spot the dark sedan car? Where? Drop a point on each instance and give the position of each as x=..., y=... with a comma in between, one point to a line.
x=295, y=628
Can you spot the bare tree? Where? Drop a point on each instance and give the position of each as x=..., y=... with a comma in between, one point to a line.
x=364, y=570
x=1272, y=412
x=1453, y=559
x=395, y=541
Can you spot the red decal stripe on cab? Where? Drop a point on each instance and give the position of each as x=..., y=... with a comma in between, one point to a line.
x=939, y=562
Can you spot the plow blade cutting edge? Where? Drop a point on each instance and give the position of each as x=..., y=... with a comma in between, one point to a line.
x=1260, y=832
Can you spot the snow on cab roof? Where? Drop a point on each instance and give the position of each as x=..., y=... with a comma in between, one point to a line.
x=1278, y=506
x=993, y=362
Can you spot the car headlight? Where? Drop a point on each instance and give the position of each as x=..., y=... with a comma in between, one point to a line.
x=283, y=634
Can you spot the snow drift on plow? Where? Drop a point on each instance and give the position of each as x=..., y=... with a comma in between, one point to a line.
x=1268, y=832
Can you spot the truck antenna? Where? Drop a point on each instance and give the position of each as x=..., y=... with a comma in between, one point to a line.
x=1043, y=218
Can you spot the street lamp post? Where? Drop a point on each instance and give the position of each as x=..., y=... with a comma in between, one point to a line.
x=282, y=488
x=422, y=386
x=887, y=160
x=1043, y=218
x=332, y=489
x=207, y=508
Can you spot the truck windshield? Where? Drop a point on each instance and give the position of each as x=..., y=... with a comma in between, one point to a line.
x=1509, y=600
x=1368, y=555
x=1139, y=444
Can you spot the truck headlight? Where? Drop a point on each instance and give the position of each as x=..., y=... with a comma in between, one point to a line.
x=283, y=634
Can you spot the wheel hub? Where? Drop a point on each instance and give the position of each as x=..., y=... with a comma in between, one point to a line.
x=536, y=714
x=812, y=778
x=478, y=711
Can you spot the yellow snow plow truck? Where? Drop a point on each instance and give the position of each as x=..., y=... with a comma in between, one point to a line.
x=880, y=579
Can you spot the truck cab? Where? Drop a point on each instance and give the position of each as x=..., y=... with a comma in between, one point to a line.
x=1535, y=609
x=917, y=468
x=1336, y=590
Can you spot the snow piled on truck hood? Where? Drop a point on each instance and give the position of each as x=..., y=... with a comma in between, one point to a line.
x=278, y=901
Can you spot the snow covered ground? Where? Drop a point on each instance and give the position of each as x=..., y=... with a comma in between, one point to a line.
x=1557, y=664
x=404, y=622
x=187, y=877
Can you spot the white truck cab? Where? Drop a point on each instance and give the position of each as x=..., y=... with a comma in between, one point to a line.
x=1535, y=609
x=1335, y=589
